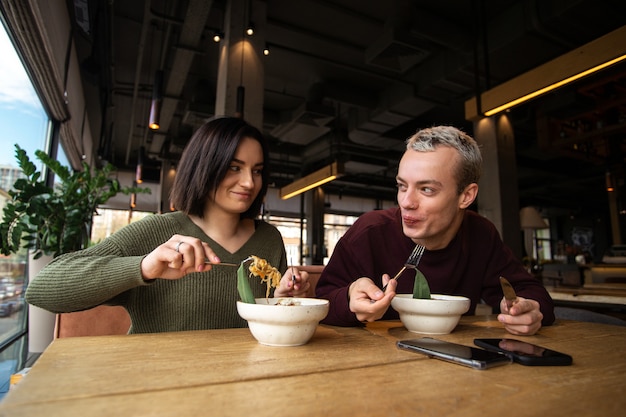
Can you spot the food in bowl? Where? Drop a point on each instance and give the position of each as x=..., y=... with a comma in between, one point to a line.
x=273, y=323
x=287, y=302
x=258, y=267
x=268, y=274
x=439, y=314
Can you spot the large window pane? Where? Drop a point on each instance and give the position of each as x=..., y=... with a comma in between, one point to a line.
x=22, y=121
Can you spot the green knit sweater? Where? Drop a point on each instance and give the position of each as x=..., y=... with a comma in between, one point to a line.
x=109, y=273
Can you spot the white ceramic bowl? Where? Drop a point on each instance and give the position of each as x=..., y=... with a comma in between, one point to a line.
x=283, y=325
x=439, y=315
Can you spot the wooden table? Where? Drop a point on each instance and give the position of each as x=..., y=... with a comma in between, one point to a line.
x=341, y=372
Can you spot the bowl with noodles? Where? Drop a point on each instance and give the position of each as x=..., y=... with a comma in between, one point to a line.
x=288, y=321
x=283, y=321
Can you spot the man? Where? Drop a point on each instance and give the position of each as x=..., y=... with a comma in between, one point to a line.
x=437, y=181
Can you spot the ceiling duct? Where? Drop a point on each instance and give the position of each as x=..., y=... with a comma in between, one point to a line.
x=196, y=114
x=397, y=50
x=308, y=122
x=398, y=105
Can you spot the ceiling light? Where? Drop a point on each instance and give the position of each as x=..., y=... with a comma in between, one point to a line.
x=133, y=198
x=609, y=182
x=594, y=56
x=250, y=29
x=315, y=179
x=139, y=170
x=266, y=50
x=553, y=86
x=157, y=99
x=217, y=36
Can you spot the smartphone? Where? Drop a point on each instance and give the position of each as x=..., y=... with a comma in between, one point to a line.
x=525, y=353
x=453, y=352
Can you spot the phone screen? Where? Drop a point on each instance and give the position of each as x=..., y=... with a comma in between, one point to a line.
x=525, y=353
x=453, y=352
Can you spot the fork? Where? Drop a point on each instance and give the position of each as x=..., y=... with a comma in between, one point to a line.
x=411, y=262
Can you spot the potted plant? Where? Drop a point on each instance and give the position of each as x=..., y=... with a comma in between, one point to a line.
x=53, y=221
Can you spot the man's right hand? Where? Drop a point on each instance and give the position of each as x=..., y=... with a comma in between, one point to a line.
x=367, y=301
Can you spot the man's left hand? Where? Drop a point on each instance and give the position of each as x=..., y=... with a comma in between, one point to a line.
x=523, y=318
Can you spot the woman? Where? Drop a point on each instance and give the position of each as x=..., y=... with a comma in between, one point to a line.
x=156, y=268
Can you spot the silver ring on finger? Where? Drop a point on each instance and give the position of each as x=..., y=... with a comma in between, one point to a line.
x=178, y=246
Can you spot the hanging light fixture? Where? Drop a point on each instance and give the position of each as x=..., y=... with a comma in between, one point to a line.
x=610, y=187
x=241, y=96
x=133, y=198
x=594, y=56
x=322, y=176
x=139, y=171
x=157, y=99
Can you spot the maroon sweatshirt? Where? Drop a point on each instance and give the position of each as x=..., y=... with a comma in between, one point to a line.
x=470, y=265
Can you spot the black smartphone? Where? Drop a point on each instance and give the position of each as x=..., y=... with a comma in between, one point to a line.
x=525, y=353
x=453, y=352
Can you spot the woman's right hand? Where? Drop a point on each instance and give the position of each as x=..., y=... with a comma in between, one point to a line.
x=177, y=257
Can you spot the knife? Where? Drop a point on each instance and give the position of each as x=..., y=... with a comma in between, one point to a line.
x=509, y=292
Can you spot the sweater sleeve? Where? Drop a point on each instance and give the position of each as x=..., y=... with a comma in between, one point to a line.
x=100, y=274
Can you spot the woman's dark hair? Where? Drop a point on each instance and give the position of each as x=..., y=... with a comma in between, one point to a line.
x=205, y=160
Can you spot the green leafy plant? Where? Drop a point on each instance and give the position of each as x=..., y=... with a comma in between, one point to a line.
x=57, y=220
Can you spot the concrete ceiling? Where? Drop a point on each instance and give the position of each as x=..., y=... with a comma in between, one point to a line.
x=352, y=79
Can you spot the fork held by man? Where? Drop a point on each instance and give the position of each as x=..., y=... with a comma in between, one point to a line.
x=411, y=262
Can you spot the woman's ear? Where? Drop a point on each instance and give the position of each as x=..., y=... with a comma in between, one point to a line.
x=468, y=196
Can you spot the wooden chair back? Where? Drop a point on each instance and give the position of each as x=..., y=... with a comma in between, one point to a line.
x=314, y=275
x=97, y=321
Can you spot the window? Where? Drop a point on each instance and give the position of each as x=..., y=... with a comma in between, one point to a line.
x=543, y=248
x=335, y=225
x=24, y=121
x=109, y=221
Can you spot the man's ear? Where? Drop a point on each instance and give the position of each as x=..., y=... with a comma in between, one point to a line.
x=468, y=196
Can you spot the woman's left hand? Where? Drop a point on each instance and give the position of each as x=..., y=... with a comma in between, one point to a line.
x=294, y=283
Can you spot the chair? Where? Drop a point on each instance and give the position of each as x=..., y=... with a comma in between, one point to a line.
x=113, y=320
x=314, y=275
x=98, y=321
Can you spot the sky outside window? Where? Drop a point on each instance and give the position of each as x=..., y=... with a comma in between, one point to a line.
x=22, y=117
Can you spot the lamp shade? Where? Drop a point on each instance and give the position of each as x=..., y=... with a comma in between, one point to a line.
x=531, y=219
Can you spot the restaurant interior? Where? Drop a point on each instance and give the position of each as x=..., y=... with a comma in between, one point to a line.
x=337, y=86
x=345, y=83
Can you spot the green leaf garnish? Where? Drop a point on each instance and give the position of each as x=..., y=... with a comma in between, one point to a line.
x=420, y=288
x=243, y=286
